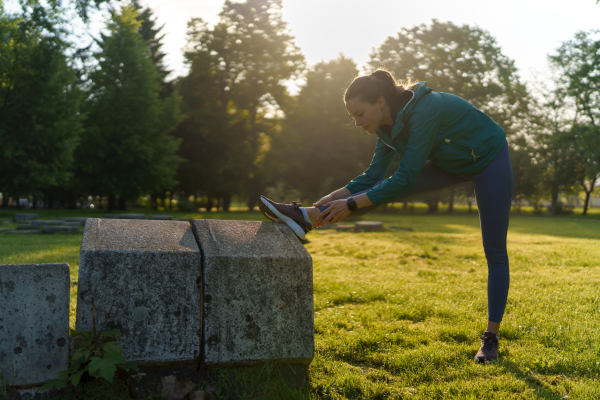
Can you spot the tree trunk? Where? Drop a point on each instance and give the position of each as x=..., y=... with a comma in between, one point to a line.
x=433, y=206
x=122, y=203
x=554, y=197
x=251, y=202
x=18, y=202
x=4, y=201
x=451, y=203
x=226, y=202
x=587, y=201
x=112, y=202
x=209, y=203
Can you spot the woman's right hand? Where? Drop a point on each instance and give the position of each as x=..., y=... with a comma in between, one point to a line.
x=324, y=200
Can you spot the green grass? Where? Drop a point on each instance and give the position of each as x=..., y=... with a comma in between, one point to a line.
x=398, y=314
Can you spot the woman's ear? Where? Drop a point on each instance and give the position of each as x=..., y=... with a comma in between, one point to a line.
x=381, y=102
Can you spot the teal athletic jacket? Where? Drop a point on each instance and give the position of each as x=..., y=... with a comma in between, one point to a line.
x=436, y=126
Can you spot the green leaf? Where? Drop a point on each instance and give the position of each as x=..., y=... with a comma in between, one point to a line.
x=100, y=367
x=53, y=383
x=130, y=365
x=76, y=377
x=112, y=332
x=81, y=355
x=115, y=357
x=112, y=347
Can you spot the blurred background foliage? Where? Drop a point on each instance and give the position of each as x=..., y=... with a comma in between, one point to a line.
x=106, y=122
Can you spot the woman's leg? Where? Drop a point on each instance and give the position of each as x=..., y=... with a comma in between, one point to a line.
x=430, y=179
x=494, y=189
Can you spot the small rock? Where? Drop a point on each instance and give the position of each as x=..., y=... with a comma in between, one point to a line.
x=173, y=390
x=197, y=395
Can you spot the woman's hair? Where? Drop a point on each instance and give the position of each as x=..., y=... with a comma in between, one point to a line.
x=370, y=88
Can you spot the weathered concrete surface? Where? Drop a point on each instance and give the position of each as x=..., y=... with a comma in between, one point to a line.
x=368, y=226
x=151, y=269
x=161, y=217
x=34, y=321
x=25, y=217
x=24, y=227
x=60, y=229
x=36, y=224
x=24, y=232
x=80, y=220
x=258, y=293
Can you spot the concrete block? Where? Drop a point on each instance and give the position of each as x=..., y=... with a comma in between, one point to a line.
x=4, y=230
x=60, y=229
x=344, y=228
x=152, y=270
x=25, y=217
x=34, y=321
x=368, y=226
x=80, y=220
x=132, y=216
x=72, y=223
x=36, y=224
x=25, y=232
x=258, y=293
x=161, y=217
x=24, y=227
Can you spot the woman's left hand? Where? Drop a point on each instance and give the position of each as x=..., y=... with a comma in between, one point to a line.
x=337, y=210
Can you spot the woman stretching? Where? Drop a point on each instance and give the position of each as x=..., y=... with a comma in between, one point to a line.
x=444, y=142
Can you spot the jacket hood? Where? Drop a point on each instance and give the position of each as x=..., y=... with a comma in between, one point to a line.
x=419, y=90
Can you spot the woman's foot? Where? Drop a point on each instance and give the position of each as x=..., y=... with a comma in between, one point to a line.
x=488, y=352
x=291, y=214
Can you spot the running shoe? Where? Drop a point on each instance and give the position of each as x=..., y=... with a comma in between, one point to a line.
x=489, y=348
x=288, y=213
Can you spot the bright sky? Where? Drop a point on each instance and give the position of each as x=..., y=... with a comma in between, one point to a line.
x=526, y=30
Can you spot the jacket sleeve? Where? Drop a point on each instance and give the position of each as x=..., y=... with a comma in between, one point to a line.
x=382, y=160
x=423, y=126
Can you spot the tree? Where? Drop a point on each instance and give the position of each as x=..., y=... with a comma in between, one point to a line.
x=318, y=148
x=40, y=120
x=577, y=65
x=250, y=55
x=153, y=37
x=127, y=150
x=462, y=60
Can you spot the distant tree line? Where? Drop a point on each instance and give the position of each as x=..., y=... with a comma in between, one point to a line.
x=107, y=122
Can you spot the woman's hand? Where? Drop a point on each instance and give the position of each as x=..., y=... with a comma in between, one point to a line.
x=337, y=210
x=324, y=200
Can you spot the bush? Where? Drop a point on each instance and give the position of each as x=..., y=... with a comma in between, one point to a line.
x=186, y=206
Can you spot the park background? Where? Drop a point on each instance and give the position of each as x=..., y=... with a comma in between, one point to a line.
x=93, y=116
x=109, y=122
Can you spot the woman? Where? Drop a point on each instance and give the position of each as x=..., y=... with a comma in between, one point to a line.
x=444, y=142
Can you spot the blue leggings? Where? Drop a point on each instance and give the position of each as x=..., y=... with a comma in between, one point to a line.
x=493, y=190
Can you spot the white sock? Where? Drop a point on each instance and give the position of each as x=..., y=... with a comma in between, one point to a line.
x=305, y=215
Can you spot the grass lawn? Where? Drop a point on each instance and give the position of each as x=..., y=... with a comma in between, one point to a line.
x=399, y=314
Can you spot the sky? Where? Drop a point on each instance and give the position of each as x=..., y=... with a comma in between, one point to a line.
x=526, y=30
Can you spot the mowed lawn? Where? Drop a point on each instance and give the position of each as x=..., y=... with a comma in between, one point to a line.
x=398, y=314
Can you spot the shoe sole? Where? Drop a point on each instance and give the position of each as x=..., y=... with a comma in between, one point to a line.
x=266, y=211
x=297, y=229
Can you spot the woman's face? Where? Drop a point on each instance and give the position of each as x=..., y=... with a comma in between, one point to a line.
x=367, y=116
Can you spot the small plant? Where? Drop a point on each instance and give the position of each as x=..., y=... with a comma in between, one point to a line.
x=98, y=355
x=4, y=383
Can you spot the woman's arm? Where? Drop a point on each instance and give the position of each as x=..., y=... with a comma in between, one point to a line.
x=338, y=194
